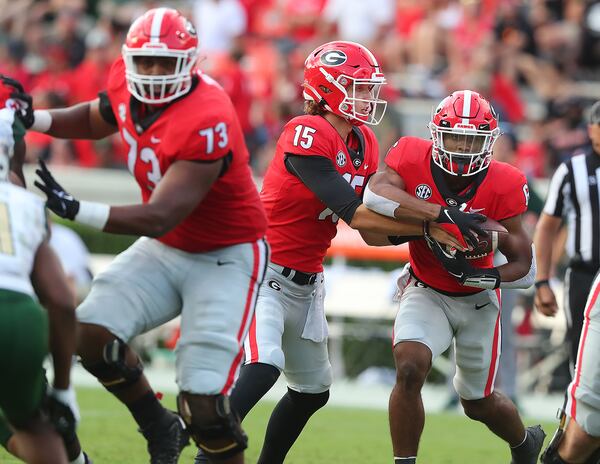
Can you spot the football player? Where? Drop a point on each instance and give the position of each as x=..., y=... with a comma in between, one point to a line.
x=7, y=438
x=202, y=255
x=579, y=442
x=30, y=271
x=447, y=298
x=322, y=162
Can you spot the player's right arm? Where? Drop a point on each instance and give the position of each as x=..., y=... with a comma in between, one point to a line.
x=81, y=121
x=88, y=120
x=546, y=233
x=320, y=176
x=386, y=194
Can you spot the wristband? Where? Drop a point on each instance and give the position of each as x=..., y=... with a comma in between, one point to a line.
x=42, y=121
x=65, y=396
x=93, y=214
x=541, y=283
x=425, y=228
x=379, y=204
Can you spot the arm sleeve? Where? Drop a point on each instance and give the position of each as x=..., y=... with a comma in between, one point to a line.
x=556, y=191
x=105, y=109
x=320, y=176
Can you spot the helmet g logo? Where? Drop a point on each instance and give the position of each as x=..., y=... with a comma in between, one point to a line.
x=333, y=58
x=190, y=28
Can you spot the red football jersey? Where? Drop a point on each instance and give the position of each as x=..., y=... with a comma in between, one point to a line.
x=301, y=227
x=503, y=193
x=201, y=126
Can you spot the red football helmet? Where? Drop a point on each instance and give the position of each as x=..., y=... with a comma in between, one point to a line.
x=165, y=33
x=346, y=78
x=8, y=108
x=464, y=128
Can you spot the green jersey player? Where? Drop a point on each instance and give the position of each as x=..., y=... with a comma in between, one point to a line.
x=30, y=277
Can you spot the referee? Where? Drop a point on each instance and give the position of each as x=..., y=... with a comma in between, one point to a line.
x=572, y=198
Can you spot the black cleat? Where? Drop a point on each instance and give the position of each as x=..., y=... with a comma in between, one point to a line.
x=528, y=452
x=166, y=439
x=200, y=457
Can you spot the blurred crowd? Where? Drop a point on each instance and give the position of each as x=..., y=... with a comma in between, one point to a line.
x=538, y=61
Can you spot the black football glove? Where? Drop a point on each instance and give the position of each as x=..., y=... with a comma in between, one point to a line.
x=24, y=100
x=458, y=266
x=467, y=223
x=58, y=200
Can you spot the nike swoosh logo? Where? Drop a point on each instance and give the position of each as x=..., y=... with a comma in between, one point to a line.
x=223, y=263
x=481, y=306
x=448, y=216
x=154, y=139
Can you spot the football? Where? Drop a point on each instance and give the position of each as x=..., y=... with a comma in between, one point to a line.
x=497, y=233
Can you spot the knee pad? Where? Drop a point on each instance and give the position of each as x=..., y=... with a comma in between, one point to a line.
x=310, y=402
x=113, y=371
x=219, y=433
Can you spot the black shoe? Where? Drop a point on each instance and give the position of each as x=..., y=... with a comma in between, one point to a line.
x=166, y=439
x=200, y=457
x=528, y=453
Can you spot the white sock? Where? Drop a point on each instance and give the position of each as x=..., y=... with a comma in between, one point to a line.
x=79, y=459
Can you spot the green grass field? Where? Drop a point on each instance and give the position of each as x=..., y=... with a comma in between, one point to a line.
x=334, y=435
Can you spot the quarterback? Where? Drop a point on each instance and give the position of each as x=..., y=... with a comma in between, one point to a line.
x=202, y=254
x=322, y=162
x=446, y=298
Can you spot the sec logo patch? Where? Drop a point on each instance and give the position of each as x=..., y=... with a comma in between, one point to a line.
x=340, y=159
x=423, y=191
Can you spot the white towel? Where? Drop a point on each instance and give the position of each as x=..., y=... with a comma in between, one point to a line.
x=402, y=282
x=315, y=327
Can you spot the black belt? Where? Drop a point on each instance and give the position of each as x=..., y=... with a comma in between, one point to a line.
x=298, y=277
x=582, y=266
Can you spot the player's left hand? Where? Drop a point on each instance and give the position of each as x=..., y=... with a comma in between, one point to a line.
x=58, y=199
x=458, y=266
x=63, y=410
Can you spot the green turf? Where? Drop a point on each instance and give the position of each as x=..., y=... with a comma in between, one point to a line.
x=334, y=435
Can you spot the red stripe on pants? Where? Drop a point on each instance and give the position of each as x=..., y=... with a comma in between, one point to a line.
x=489, y=386
x=595, y=291
x=249, y=309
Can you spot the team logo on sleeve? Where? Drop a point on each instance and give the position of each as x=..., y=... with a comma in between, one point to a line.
x=423, y=191
x=340, y=159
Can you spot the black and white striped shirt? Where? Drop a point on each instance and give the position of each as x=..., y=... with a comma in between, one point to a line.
x=573, y=195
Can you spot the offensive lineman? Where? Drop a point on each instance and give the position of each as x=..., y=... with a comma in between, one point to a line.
x=445, y=298
x=29, y=269
x=322, y=161
x=202, y=254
